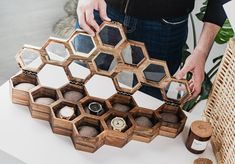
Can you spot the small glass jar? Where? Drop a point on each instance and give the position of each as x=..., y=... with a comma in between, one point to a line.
x=198, y=137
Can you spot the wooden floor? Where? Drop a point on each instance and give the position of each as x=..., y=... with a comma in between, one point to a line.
x=24, y=21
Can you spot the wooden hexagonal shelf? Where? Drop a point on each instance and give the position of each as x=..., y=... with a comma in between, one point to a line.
x=59, y=84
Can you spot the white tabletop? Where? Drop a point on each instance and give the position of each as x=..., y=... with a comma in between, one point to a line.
x=33, y=142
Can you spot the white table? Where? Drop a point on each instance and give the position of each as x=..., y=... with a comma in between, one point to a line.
x=33, y=142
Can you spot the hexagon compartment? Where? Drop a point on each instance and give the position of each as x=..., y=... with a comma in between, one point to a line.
x=41, y=98
x=30, y=58
x=56, y=51
x=20, y=85
x=105, y=63
x=63, y=114
x=111, y=35
x=87, y=88
x=173, y=118
x=155, y=72
x=147, y=124
x=88, y=134
x=82, y=44
x=73, y=93
x=93, y=106
x=134, y=53
x=127, y=81
x=121, y=103
x=118, y=138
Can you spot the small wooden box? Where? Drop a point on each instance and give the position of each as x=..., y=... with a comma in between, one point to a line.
x=88, y=144
x=60, y=125
x=38, y=110
x=117, y=138
x=173, y=119
x=170, y=129
x=145, y=134
x=20, y=96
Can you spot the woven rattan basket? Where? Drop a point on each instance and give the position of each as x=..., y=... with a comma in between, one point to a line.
x=220, y=110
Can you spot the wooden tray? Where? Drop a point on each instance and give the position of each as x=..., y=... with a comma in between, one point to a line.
x=109, y=55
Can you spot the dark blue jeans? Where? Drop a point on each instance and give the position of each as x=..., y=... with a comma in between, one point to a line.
x=164, y=38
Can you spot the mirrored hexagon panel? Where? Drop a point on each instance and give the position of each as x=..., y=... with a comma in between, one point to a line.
x=127, y=81
x=56, y=51
x=29, y=59
x=52, y=76
x=82, y=44
x=134, y=53
x=79, y=70
x=100, y=86
x=111, y=34
x=155, y=73
x=176, y=91
x=105, y=62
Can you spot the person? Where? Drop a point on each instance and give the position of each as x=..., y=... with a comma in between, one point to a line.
x=163, y=26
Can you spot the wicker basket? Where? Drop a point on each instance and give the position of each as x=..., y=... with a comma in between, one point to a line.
x=220, y=110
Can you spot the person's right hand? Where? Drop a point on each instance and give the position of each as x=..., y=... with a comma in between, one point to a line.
x=85, y=14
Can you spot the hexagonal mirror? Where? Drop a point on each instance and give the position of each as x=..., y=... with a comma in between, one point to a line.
x=83, y=44
x=176, y=91
x=52, y=76
x=79, y=69
x=100, y=86
x=105, y=62
x=154, y=72
x=127, y=80
x=57, y=51
x=133, y=55
x=31, y=59
x=110, y=35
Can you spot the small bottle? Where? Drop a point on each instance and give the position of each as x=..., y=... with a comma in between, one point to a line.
x=198, y=137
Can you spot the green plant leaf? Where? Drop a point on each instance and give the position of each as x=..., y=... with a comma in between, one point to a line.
x=216, y=66
x=219, y=58
x=206, y=88
x=225, y=33
x=201, y=14
x=185, y=54
x=190, y=104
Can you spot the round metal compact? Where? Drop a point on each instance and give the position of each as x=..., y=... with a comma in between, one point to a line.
x=66, y=113
x=118, y=123
x=95, y=108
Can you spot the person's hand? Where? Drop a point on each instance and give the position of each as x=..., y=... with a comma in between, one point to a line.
x=85, y=14
x=195, y=63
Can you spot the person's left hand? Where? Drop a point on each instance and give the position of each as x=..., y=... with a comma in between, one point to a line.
x=195, y=63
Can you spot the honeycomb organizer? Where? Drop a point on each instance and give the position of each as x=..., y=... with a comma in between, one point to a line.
x=54, y=82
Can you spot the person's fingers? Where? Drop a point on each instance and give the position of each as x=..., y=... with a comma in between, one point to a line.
x=90, y=20
x=190, y=81
x=191, y=87
x=197, y=81
x=183, y=72
x=102, y=10
x=195, y=93
x=83, y=24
